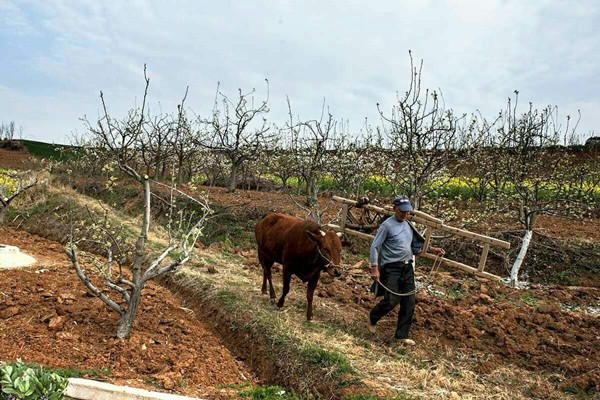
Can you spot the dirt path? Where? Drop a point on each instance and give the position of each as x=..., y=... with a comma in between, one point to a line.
x=47, y=317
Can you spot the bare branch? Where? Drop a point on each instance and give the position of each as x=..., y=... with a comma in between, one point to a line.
x=72, y=254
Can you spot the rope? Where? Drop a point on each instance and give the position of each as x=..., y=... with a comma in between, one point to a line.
x=436, y=264
x=326, y=259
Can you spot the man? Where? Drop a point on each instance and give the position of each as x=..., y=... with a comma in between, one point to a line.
x=391, y=258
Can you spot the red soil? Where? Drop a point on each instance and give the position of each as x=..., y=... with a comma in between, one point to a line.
x=46, y=316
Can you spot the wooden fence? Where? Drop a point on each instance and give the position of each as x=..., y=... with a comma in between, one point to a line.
x=431, y=223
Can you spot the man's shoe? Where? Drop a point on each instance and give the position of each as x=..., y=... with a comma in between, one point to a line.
x=372, y=328
x=406, y=342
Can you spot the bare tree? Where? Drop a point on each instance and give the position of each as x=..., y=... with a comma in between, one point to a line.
x=123, y=139
x=352, y=163
x=480, y=158
x=422, y=137
x=183, y=146
x=156, y=144
x=535, y=174
x=9, y=130
x=281, y=160
x=315, y=141
x=236, y=131
x=213, y=166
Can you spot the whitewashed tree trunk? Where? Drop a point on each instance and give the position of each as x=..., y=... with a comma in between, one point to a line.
x=517, y=264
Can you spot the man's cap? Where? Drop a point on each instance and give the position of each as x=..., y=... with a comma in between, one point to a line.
x=403, y=203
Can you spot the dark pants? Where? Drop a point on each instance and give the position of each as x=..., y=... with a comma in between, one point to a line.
x=399, y=278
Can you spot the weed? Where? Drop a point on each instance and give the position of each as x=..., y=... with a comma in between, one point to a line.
x=580, y=392
x=529, y=299
x=231, y=301
x=269, y=393
x=401, y=351
x=349, y=382
x=454, y=293
x=331, y=360
x=153, y=382
x=523, y=363
x=238, y=386
x=567, y=277
x=74, y=372
x=399, y=396
x=478, y=323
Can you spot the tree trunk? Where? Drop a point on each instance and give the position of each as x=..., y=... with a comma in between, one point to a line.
x=232, y=178
x=311, y=192
x=312, y=199
x=2, y=214
x=126, y=321
x=417, y=202
x=517, y=265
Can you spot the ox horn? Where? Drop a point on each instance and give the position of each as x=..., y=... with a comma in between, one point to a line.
x=339, y=234
x=322, y=233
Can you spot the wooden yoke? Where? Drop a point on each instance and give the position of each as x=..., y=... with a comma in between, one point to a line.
x=431, y=223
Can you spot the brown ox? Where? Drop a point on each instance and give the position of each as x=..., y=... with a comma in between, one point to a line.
x=301, y=247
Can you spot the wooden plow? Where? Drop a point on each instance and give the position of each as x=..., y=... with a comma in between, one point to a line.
x=350, y=225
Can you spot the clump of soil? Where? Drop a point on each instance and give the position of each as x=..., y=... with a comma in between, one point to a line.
x=48, y=317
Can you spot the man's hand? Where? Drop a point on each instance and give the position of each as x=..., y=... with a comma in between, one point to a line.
x=375, y=272
x=437, y=251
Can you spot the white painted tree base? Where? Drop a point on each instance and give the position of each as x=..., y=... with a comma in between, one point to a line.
x=11, y=257
x=514, y=273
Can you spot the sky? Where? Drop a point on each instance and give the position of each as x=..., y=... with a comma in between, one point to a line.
x=57, y=55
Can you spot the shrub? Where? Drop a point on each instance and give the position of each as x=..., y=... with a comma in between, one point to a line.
x=12, y=145
x=19, y=380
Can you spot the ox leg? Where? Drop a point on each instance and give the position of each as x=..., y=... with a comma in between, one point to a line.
x=287, y=277
x=312, y=284
x=267, y=276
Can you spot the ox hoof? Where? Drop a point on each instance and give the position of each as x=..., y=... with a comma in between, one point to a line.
x=273, y=301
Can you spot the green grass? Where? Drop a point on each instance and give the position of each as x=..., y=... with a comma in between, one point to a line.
x=49, y=150
x=454, y=293
x=74, y=372
x=580, y=393
x=529, y=299
x=231, y=301
x=228, y=228
x=567, y=277
x=330, y=360
x=269, y=393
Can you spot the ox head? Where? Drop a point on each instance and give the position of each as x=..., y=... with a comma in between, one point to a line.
x=329, y=247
